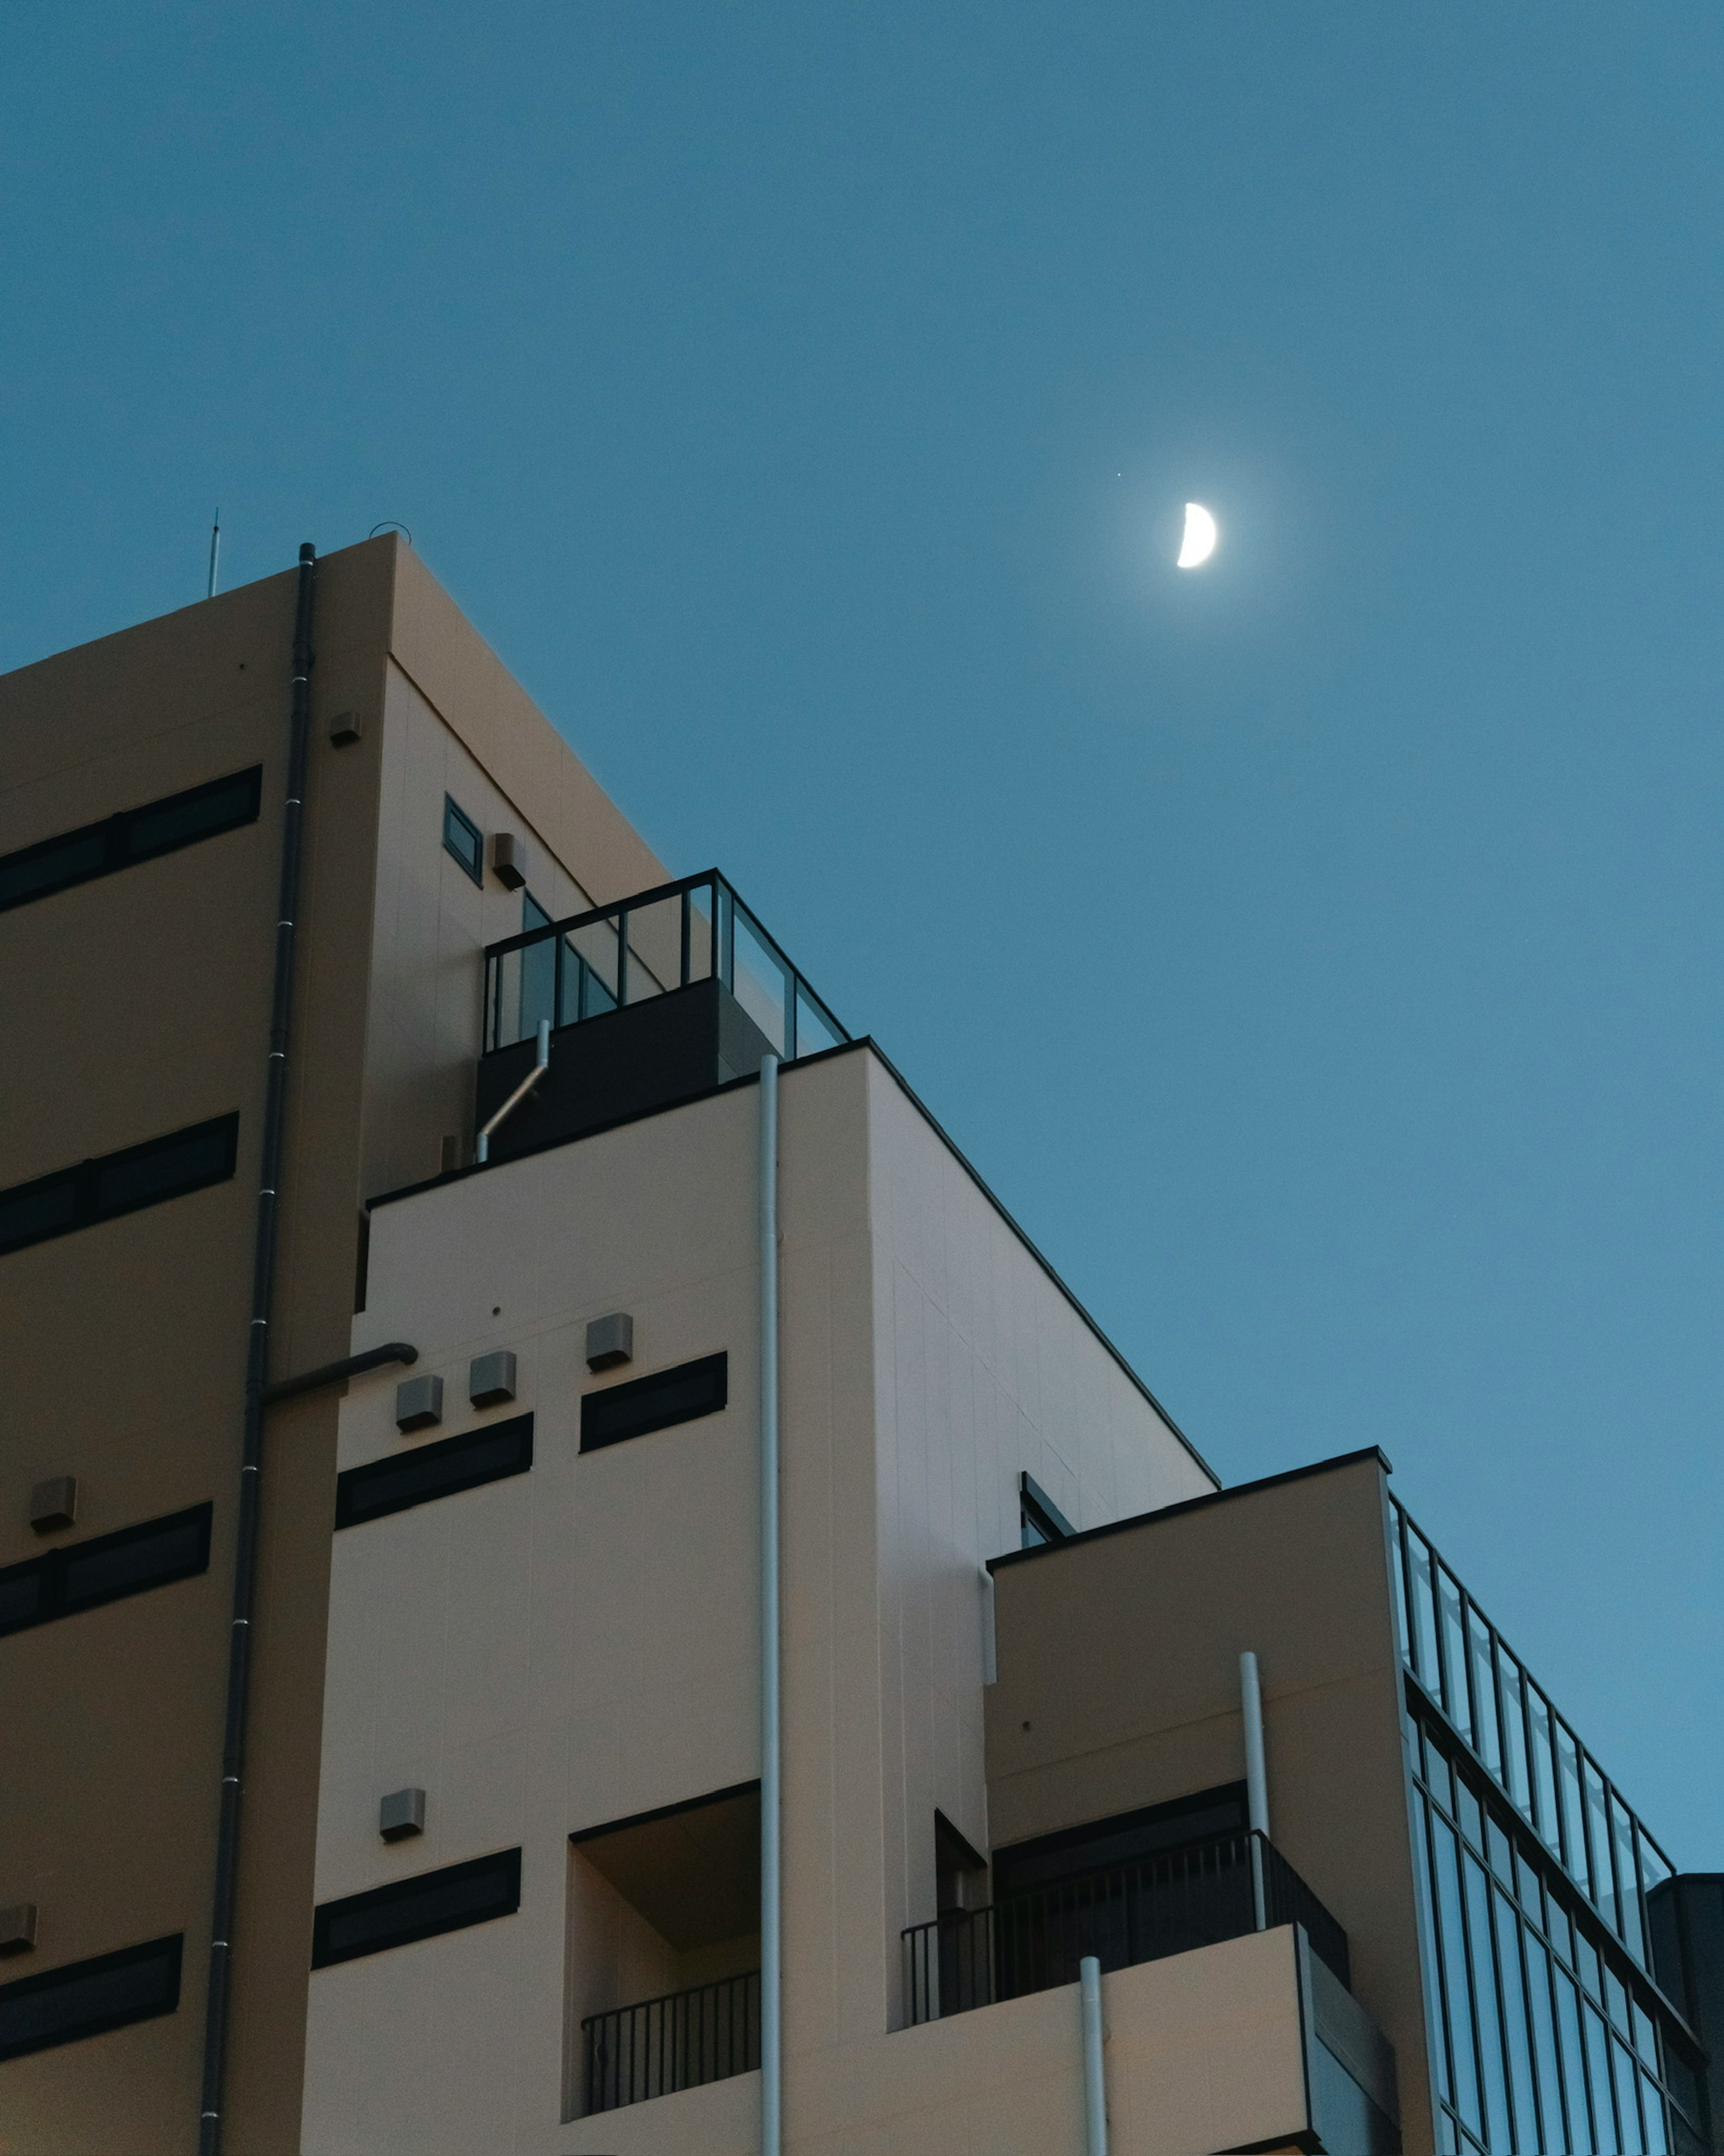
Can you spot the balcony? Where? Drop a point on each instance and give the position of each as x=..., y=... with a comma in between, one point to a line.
x=1221, y=1888
x=651, y=1001
x=680, y=2042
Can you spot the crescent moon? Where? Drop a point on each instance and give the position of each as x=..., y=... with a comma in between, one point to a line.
x=1201, y=534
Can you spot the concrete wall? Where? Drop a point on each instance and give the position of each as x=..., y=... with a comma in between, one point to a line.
x=1118, y=1687
x=579, y=1644
x=131, y=1006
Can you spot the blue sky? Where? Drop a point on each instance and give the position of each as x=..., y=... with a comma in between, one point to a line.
x=1320, y=954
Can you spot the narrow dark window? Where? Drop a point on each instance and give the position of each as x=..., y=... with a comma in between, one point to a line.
x=117, y=1183
x=135, y=834
x=689, y=1391
x=84, y=1575
x=452, y=1463
x=463, y=838
x=409, y=1909
x=1040, y=1520
x=86, y=1998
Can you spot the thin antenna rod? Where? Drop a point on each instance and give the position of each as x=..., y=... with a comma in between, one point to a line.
x=215, y=552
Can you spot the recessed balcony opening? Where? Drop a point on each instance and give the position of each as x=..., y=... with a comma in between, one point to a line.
x=661, y=997
x=664, y=1951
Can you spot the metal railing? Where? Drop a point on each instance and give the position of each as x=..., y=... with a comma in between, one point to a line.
x=680, y=2041
x=1167, y=1904
x=666, y=938
x=1464, y=1666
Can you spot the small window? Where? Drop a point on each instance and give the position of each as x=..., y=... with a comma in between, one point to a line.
x=135, y=834
x=1040, y=1520
x=463, y=838
x=667, y=1396
x=87, y=1997
x=409, y=1909
x=84, y=1575
x=451, y=1464
x=119, y=1182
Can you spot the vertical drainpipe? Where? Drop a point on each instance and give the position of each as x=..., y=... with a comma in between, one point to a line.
x=257, y=1360
x=1095, y=2080
x=1256, y=1776
x=772, y=2052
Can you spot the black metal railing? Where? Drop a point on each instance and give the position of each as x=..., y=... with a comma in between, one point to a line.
x=677, y=2042
x=1167, y=1904
x=669, y=937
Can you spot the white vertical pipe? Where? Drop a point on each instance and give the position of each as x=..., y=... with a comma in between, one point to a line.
x=1095, y=2082
x=772, y=2048
x=1256, y=1776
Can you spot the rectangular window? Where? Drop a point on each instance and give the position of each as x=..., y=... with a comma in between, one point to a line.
x=667, y=1396
x=463, y=838
x=409, y=1909
x=84, y=1575
x=86, y=1998
x=117, y=1183
x=135, y=834
x=452, y=1463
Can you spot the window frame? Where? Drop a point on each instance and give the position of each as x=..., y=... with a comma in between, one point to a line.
x=83, y=1182
x=506, y=1863
x=490, y=1436
x=602, y=1404
x=168, y=1951
x=454, y=816
x=111, y=835
x=54, y=1565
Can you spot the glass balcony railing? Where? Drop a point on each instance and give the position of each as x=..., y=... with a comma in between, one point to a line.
x=1167, y=1904
x=1464, y=1666
x=659, y=941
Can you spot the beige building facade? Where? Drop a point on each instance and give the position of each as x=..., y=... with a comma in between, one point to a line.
x=1050, y=1698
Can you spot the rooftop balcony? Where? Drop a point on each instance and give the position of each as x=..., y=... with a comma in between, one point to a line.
x=651, y=1001
x=1220, y=1888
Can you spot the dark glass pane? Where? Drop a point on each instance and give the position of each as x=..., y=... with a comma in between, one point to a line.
x=409, y=1909
x=1606, y=2142
x=200, y=813
x=1453, y=1949
x=1428, y=1935
x=1517, y=2036
x=1556, y=2139
x=658, y=1402
x=1581, y=2138
x=187, y=1161
x=1455, y=1700
x=21, y=1593
x=88, y=1997
x=37, y=870
x=460, y=836
x=38, y=1210
x=1544, y=1772
x=442, y=1470
x=1422, y=1577
x=1487, y=2006
x=1486, y=1735
x=537, y=971
x=127, y=1563
x=1628, y=2099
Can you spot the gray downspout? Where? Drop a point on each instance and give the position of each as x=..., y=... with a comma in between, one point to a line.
x=257, y=1360
x=772, y=2033
x=1256, y=1779
x=1095, y=2076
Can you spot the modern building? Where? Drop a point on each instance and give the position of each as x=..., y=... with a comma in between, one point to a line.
x=573, y=1585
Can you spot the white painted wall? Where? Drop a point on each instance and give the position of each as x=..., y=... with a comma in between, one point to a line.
x=579, y=1644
